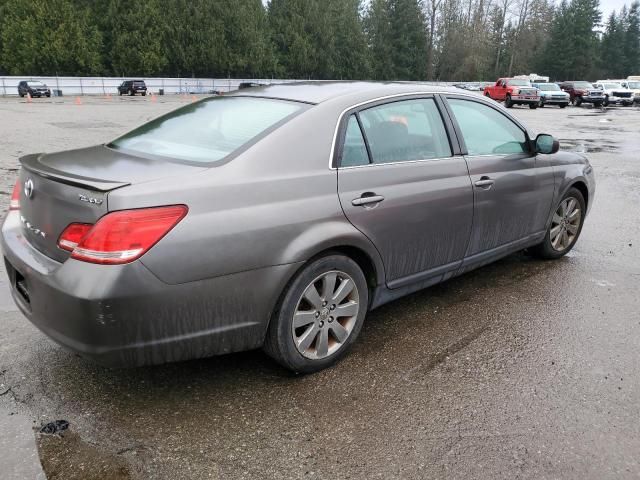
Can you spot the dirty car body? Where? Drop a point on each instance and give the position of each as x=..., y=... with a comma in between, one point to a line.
x=296, y=171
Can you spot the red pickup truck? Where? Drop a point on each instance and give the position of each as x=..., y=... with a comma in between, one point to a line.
x=513, y=91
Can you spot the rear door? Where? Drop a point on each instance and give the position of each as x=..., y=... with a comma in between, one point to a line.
x=401, y=184
x=513, y=188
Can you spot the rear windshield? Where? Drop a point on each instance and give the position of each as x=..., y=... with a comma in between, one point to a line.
x=209, y=130
x=519, y=83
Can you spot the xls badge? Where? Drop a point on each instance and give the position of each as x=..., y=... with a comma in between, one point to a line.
x=92, y=200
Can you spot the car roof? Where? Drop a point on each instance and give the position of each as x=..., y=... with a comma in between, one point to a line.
x=321, y=91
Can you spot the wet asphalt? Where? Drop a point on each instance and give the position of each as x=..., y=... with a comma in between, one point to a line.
x=521, y=369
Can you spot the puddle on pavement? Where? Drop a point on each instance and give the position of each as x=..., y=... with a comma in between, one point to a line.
x=67, y=456
x=587, y=146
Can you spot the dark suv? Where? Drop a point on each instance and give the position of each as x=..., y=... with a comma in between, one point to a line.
x=131, y=87
x=583, y=92
x=33, y=88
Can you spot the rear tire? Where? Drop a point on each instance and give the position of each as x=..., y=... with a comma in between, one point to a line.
x=320, y=335
x=131, y=93
x=563, y=105
x=555, y=244
x=533, y=106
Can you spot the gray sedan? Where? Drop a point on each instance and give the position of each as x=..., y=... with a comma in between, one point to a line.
x=277, y=217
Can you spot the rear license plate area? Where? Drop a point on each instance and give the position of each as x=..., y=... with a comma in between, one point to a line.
x=19, y=283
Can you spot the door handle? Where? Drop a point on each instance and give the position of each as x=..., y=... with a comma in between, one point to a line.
x=484, y=183
x=367, y=198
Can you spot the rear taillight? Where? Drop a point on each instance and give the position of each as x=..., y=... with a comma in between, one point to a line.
x=15, y=196
x=72, y=235
x=122, y=236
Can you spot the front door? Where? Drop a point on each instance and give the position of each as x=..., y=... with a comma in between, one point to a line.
x=513, y=188
x=401, y=186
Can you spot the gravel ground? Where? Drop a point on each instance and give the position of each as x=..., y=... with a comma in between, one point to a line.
x=522, y=369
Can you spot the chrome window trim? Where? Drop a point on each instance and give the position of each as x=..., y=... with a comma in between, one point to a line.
x=436, y=159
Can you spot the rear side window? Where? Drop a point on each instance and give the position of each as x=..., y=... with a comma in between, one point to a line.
x=209, y=130
x=354, y=151
x=486, y=131
x=405, y=130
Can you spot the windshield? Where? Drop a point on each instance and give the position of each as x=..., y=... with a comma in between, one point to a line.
x=209, y=130
x=634, y=85
x=548, y=87
x=582, y=85
x=35, y=84
x=611, y=85
x=519, y=83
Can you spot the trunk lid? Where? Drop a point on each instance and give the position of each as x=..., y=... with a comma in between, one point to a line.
x=72, y=187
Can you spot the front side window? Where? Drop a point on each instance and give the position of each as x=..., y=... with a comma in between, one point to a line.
x=486, y=131
x=209, y=130
x=405, y=130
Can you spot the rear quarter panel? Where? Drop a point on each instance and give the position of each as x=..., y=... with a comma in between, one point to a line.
x=274, y=204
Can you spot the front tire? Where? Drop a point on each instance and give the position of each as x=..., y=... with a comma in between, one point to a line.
x=319, y=316
x=507, y=102
x=578, y=101
x=606, y=101
x=533, y=106
x=565, y=228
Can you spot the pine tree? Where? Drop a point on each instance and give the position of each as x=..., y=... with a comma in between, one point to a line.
x=632, y=41
x=611, y=48
x=48, y=37
x=378, y=30
x=137, y=32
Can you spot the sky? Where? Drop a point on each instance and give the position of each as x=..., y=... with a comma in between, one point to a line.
x=607, y=6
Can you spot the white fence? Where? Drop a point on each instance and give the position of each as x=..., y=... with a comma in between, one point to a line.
x=109, y=85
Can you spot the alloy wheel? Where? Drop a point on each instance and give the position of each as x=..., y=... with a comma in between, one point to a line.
x=565, y=224
x=325, y=315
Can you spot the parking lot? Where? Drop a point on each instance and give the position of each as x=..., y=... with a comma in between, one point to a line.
x=521, y=369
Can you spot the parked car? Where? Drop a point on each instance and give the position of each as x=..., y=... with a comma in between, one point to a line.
x=551, y=94
x=132, y=87
x=633, y=85
x=33, y=89
x=243, y=85
x=583, y=92
x=615, y=94
x=278, y=217
x=512, y=92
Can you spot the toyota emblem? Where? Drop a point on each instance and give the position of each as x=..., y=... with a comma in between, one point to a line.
x=28, y=188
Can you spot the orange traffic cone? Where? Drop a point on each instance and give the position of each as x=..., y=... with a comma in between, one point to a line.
x=107, y=96
x=154, y=98
x=78, y=101
x=194, y=98
x=29, y=99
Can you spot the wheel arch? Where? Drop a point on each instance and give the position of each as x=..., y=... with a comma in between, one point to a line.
x=582, y=188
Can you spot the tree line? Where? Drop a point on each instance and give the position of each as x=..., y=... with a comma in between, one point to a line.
x=320, y=39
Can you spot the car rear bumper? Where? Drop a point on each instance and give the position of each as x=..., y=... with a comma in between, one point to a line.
x=123, y=315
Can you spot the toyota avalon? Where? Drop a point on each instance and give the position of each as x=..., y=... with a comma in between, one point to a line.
x=277, y=217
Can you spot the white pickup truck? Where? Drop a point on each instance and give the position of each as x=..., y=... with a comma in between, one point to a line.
x=615, y=93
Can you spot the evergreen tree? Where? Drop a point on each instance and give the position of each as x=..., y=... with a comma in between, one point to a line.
x=136, y=42
x=48, y=37
x=397, y=34
x=611, y=48
x=632, y=41
x=378, y=30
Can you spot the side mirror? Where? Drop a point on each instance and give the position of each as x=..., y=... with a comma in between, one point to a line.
x=546, y=144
